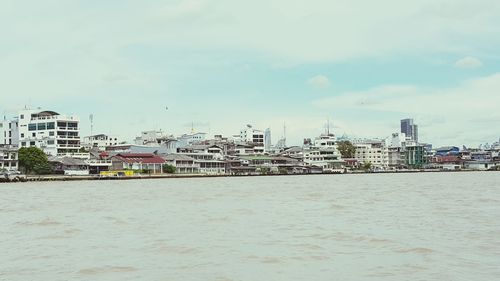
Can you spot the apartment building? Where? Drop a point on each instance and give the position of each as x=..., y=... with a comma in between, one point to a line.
x=8, y=158
x=50, y=131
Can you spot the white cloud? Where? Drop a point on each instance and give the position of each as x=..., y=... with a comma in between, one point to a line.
x=447, y=114
x=468, y=62
x=319, y=81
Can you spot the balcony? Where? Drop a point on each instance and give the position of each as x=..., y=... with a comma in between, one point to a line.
x=68, y=145
x=67, y=129
x=187, y=166
x=67, y=137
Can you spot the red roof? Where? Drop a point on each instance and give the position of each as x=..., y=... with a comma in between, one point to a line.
x=145, y=158
x=447, y=159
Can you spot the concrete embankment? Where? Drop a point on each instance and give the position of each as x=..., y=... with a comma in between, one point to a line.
x=169, y=176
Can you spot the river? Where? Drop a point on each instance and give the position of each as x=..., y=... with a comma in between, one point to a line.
x=422, y=226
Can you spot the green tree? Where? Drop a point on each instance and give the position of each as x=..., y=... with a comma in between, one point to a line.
x=169, y=169
x=34, y=160
x=346, y=149
x=283, y=171
x=367, y=166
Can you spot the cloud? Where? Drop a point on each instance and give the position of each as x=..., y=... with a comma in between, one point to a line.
x=444, y=112
x=468, y=62
x=319, y=81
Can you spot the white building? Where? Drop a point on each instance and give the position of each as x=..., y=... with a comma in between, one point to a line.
x=100, y=141
x=323, y=153
x=9, y=132
x=396, y=145
x=55, y=134
x=372, y=151
x=164, y=142
x=8, y=158
x=188, y=139
x=254, y=136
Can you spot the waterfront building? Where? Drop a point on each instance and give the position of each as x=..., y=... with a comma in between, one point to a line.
x=163, y=142
x=323, y=153
x=209, y=163
x=134, y=148
x=9, y=132
x=446, y=162
x=183, y=164
x=409, y=129
x=374, y=152
x=9, y=160
x=208, y=158
x=192, y=138
x=274, y=164
x=415, y=155
x=50, y=131
x=139, y=161
x=69, y=166
x=254, y=136
x=99, y=142
x=480, y=165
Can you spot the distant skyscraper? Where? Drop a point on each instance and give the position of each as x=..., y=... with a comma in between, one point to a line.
x=267, y=139
x=409, y=129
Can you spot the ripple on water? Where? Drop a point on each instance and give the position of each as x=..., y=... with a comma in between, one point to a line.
x=106, y=269
x=45, y=222
x=418, y=250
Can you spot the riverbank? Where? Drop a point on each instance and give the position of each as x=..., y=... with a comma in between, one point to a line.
x=169, y=176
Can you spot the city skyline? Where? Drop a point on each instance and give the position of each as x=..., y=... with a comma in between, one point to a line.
x=213, y=65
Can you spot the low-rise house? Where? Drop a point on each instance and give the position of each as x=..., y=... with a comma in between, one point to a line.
x=138, y=161
x=239, y=167
x=480, y=165
x=69, y=166
x=183, y=164
x=8, y=158
x=447, y=162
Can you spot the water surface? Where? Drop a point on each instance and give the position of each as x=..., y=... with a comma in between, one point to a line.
x=432, y=226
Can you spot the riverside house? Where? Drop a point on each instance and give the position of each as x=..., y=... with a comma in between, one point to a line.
x=138, y=161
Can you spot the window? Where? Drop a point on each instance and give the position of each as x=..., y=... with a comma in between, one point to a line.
x=51, y=134
x=23, y=144
x=51, y=126
x=32, y=143
x=22, y=135
x=50, y=142
x=22, y=116
x=31, y=127
x=42, y=126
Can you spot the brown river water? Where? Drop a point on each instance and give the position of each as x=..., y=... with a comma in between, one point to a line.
x=427, y=226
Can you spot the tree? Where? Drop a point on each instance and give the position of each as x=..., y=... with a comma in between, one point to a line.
x=346, y=149
x=367, y=166
x=283, y=171
x=34, y=160
x=169, y=169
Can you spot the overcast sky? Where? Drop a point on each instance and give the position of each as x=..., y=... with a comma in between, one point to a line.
x=225, y=63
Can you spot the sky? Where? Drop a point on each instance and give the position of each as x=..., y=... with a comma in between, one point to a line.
x=219, y=65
